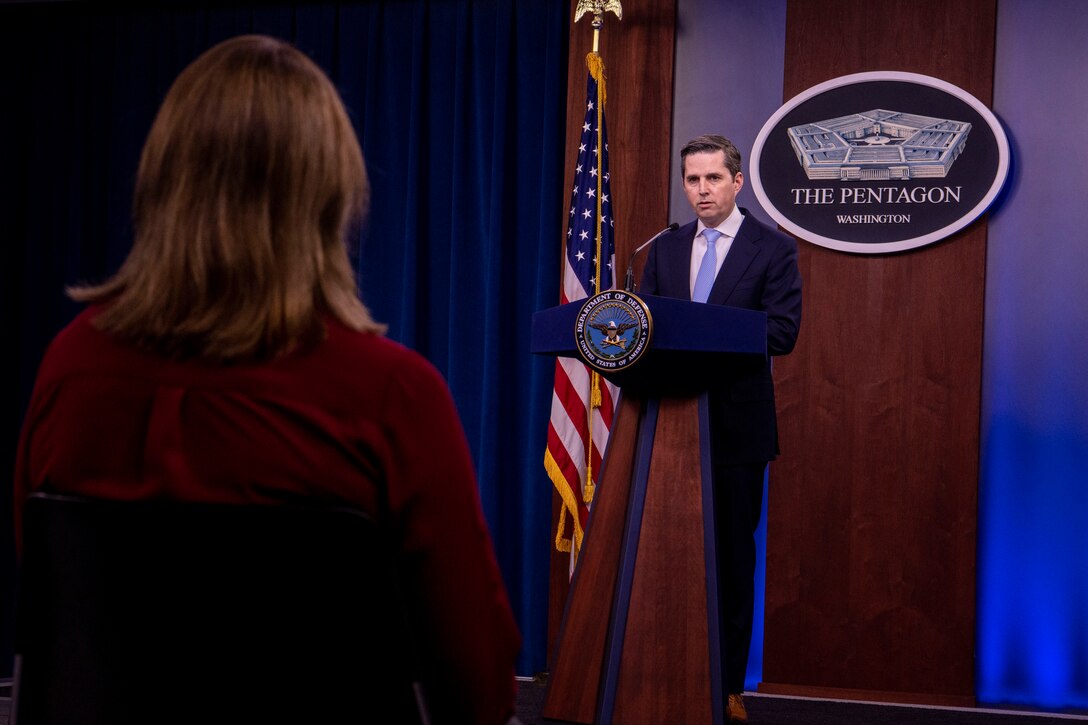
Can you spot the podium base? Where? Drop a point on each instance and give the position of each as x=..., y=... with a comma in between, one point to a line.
x=639, y=642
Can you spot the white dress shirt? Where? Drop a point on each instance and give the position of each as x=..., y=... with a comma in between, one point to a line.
x=729, y=229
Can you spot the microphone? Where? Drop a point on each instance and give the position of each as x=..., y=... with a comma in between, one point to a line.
x=629, y=280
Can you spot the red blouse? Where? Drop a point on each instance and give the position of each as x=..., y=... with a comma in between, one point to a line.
x=334, y=424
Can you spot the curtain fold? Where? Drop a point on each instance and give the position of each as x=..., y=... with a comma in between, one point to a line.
x=459, y=107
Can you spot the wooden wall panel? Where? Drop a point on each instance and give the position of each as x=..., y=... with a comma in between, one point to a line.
x=638, y=57
x=872, y=509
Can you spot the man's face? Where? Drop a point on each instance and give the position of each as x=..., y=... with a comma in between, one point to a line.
x=711, y=188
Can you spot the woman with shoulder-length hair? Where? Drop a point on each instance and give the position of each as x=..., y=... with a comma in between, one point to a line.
x=230, y=358
x=248, y=183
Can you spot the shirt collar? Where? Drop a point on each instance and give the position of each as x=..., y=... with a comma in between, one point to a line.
x=729, y=227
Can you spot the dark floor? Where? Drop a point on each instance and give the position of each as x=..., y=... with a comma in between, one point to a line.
x=768, y=710
x=771, y=710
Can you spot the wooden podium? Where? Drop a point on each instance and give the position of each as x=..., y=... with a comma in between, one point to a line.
x=639, y=641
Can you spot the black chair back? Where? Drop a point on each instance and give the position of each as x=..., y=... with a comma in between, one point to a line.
x=164, y=612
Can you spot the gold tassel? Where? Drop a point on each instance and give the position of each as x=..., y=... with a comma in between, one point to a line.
x=590, y=487
x=595, y=64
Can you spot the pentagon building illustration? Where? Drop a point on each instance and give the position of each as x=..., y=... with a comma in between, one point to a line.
x=878, y=145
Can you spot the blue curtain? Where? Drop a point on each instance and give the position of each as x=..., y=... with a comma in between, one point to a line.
x=460, y=109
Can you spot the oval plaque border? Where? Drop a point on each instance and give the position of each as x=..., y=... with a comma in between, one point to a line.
x=964, y=220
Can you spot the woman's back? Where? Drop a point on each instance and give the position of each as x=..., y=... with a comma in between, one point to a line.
x=121, y=422
x=356, y=420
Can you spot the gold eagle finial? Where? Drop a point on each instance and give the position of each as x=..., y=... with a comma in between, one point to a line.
x=598, y=8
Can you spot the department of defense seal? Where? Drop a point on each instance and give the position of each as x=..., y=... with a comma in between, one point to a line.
x=613, y=330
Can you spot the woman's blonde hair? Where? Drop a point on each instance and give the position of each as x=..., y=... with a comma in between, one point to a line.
x=249, y=183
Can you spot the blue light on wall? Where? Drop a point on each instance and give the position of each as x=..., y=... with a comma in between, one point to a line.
x=1033, y=493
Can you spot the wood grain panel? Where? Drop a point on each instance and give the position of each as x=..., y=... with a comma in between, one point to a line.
x=872, y=509
x=638, y=55
x=665, y=669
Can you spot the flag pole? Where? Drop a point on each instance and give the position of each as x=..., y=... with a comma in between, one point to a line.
x=588, y=258
x=596, y=68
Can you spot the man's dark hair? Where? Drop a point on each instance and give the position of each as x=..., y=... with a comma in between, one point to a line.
x=711, y=143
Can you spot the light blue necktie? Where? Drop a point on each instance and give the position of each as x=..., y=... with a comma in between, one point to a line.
x=708, y=268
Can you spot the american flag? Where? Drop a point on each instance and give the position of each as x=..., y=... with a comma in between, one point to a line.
x=577, y=424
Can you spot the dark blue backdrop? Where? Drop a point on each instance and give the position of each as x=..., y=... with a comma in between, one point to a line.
x=460, y=109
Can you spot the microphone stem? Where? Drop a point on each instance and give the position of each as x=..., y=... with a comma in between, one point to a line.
x=629, y=281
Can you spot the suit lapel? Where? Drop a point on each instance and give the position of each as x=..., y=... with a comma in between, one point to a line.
x=679, y=261
x=744, y=249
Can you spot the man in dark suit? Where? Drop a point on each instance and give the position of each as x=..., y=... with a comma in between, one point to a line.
x=726, y=257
